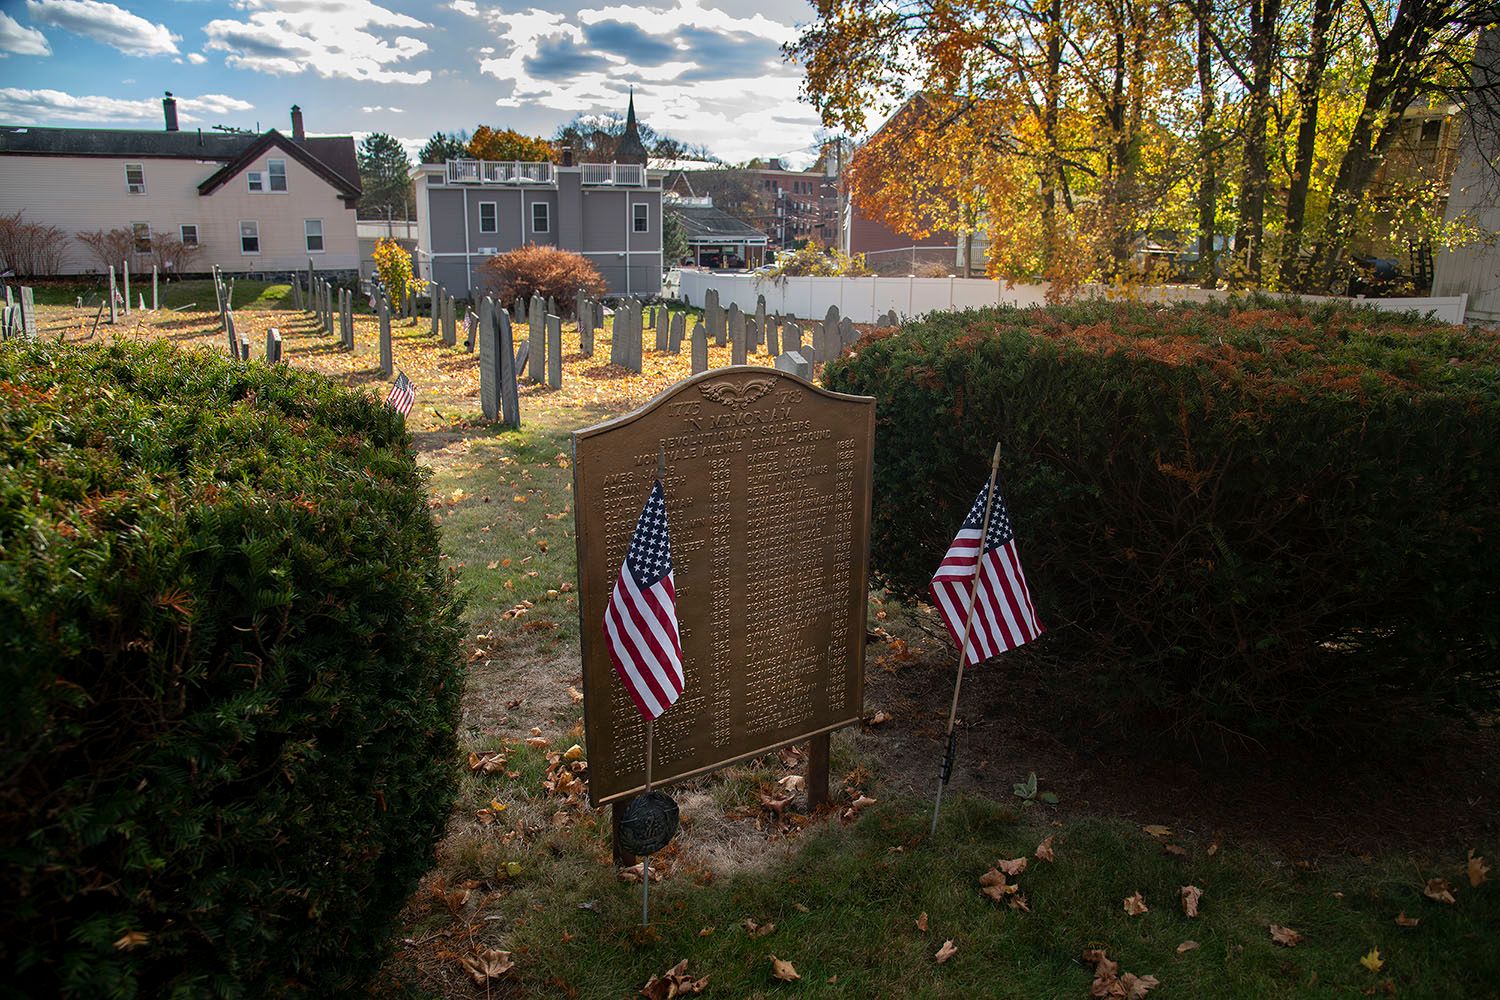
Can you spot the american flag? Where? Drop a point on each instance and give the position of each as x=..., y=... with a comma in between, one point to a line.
x=403, y=394
x=1004, y=617
x=640, y=622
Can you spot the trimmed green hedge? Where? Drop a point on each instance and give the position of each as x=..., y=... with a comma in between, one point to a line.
x=229, y=676
x=1243, y=517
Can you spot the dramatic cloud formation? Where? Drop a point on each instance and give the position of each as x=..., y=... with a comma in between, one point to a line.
x=28, y=107
x=106, y=23
x=16, y=39
x=701, y=73
x=333, y=38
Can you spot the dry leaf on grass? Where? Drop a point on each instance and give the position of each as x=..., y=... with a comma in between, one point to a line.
x=992, y=884
x=922, y=922
x=1372, y=960
x=1190, y=896
x=575, y=752
x=1439, y=890
x=783, y=970
x=1157, y=830
x=1478, y=870
x=792, y=782
x=632, y=874
x=675, y=982
x=880, y=716
x=1044, y=850
x=1109, y=983
x=756, y=930
x=1186, y=947
x=854, y=807
x=491, y=963
x=1402, y=920
x=1175, y=850
x=1285, y=936
x=706, y=931
x=1013, y=867
x=1135, y=905
x=947, y=951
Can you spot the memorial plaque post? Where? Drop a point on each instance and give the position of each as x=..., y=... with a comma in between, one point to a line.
x=772, y=617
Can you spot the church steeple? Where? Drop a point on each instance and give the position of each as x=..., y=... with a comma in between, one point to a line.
x=631, y=149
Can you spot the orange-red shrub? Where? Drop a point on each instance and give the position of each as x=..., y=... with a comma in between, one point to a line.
x=540, y=270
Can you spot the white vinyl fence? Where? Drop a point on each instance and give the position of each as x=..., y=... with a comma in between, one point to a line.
x=864, y=300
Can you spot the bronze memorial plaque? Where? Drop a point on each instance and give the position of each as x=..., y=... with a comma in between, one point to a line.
x=768, y=505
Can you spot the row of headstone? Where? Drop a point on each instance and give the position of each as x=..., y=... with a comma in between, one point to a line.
x=625, y=337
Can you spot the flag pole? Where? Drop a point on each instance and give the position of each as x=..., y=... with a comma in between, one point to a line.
x=951, y=751
x=661, y=470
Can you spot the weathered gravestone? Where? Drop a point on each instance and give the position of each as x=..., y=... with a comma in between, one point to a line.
x=586, y=327
x=700, y=347
x=792, y=336
x=435, y=303
x=674, y=336
x=450, y=322
x=829, y=345
x=510, y=397
x=554, y=351
x=847, y=334
x=523, y=357
x=795, y=363
x=387, y=361
x=273, y=346
x=736, y=334
x=536, y=337
x=28, y=311
x=773, y=342
x=663, y=328
x=771, y=611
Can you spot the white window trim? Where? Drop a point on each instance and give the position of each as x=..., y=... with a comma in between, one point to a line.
x=249, y=253
x=495, y=219
x=322, y=237
x=142, y=168
x=284, y=179
x=197, y=236
x=252, y=176
x=635, y=205
x=548, y=227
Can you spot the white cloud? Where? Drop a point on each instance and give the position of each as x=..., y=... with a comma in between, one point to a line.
x=412, y=146
x=197, y=58
x=106, y=23
x=700, y=74
x=330, y=37
x=468, y=7
x=17, y=39
x=371, y=109
x=42, y=107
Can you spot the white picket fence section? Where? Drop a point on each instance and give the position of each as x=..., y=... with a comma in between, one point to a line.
x=865, y=299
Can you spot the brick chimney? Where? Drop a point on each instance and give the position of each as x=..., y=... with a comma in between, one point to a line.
x=169, y=111
x=297, y=134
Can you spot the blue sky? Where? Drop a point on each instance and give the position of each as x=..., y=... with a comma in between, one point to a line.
x=705, y=71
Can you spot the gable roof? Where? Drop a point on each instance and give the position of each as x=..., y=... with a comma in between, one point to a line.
x=274, y=139
x=333, y=155
x=706, y=224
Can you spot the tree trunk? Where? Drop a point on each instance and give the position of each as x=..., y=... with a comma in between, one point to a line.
x=1308, y=93
x=1250, y=234
x=1208, y=141
x=1051, y=172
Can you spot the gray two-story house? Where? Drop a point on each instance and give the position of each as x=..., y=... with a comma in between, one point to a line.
x=470, y=210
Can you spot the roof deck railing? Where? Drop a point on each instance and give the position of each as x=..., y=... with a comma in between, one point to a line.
x=614, y=174
x=466, y=171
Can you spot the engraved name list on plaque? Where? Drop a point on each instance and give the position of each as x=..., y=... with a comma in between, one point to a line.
x=768, y=501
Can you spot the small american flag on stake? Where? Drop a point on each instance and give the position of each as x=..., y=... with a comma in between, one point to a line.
x=403, y=394
x=1004, y=617
x=640, y=621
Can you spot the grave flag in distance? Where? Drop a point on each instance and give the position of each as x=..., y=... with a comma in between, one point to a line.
x=640, y=621
x=403, y=395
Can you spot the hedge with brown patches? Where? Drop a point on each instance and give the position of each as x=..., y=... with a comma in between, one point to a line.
x=1242, y=517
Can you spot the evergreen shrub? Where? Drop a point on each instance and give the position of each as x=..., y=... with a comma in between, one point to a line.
x=1242, y=518
x=229, y=676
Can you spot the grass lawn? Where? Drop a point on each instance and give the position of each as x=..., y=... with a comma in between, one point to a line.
x=525, y=865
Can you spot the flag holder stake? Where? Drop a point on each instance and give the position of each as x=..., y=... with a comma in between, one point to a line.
x=661, y=471
x=951, y=750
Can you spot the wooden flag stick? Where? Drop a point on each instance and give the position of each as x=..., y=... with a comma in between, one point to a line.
x=951, y=749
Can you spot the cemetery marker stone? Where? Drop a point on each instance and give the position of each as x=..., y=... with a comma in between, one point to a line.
x=771, y=610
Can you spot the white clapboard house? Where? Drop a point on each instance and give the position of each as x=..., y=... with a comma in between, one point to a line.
x=254, y=203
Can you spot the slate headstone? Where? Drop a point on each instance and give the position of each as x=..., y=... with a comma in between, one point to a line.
x=773, y=343
x=736, y=334
x=489, y=364
x=537, y=338
x=387, y=360
x=510, y=398
x=700, y=347
x=794, y=362
x=674, y=336
x=273, y=346
x=554, y=351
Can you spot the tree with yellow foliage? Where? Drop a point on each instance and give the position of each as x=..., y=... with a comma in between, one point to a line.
x=507, y=144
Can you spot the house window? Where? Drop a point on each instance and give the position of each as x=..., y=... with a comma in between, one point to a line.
x=256, y=180
x=640, y=217
x=189, y=235
x=135, y=178
x=488, y=222
x=540, y=217
x=277, y=171
x=249, y=237
x=313, y=230
x=141, y=231
x=1432, y=130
